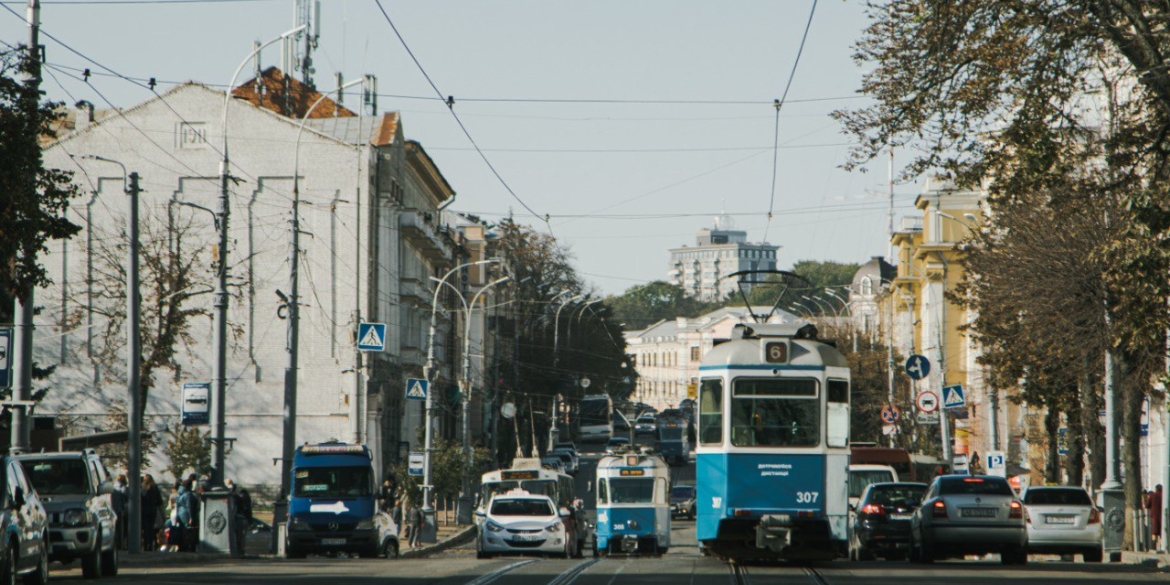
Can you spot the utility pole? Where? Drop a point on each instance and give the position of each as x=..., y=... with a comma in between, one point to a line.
x=23, y=310
x=133, y=371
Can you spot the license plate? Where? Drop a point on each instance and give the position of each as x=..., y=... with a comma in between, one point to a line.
x=1059, y=519
x=977, y=512
x=332, y=541
x=525, y=537
x=899, y=516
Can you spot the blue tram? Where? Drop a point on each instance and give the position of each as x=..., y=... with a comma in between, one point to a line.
x=773, y=446
x=633, y=504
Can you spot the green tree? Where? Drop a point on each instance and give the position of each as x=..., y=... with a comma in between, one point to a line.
x=997, y=95
x=646, y=304
x=33, y=208
x=188, y=450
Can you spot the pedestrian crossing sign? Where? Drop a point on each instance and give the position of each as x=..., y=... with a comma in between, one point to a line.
x=954, y=397
x=416, y=389
x=372, y=336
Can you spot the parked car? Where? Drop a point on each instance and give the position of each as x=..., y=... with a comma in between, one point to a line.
x=682, y=501
x=519, y=522
x=75, y=489
x=969, y=515
x=1063, y=520
x=572, y=461
x=24, y=525
x=645, y=425
x=881, y=521
x=571, y=446
x=616, y=443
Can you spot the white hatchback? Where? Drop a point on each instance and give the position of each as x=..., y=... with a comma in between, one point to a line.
x=523, y=523
x=1063, y=520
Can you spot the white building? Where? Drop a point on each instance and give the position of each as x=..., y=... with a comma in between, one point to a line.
x=668, y=353
x=718, y=252
x=372, y=210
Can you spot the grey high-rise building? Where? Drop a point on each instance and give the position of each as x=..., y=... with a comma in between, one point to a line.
x=718, y=251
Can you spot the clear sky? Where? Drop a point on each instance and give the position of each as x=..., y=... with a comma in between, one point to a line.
x=630, y=123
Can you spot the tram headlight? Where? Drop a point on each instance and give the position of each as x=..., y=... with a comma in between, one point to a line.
x=634, y=525
x=492, y=526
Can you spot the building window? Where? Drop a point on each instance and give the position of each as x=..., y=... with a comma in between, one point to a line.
x=695, y=354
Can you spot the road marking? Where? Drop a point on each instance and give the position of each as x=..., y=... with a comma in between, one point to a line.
x=488, y=578
x=816, y=576
x=618, y=572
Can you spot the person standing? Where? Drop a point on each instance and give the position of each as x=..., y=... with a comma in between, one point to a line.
x=152, y=500
x=1154, y=511
x=414, y=523
x=118, y=504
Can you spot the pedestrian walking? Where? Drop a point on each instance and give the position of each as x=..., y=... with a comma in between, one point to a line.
x=152, y=502
x=414, y=521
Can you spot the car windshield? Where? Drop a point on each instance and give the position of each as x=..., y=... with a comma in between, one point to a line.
x=525, y=507
x=975, y=486
x=57, y=476
x=682, y=491
x=631, y=490
x=860, y=478
x=331, y=482
x=902, y=495
x=1068, y=497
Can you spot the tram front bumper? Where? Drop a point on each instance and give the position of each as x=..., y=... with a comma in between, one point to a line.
x=774, y=532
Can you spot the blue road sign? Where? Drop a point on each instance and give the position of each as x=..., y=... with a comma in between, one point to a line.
x=954, y=397
x=890, y=414
x=417, y=388
x=196, y=403
x=917, y=366
x=5, y=358
x=414, y=463
x=1062, y=441
x=372, y=336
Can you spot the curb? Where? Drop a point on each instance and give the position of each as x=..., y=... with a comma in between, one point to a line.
x=154, y=558
x=1151, y=559
x=458, y=538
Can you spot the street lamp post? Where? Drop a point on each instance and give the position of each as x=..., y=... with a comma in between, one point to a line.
x=552, y=430
x=464, y=512
x=219, y=366
x=849, y=312
x=428, y=509
x=292, y=304
x=133, y=360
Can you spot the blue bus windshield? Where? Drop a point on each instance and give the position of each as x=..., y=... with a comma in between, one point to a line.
x=331, y=482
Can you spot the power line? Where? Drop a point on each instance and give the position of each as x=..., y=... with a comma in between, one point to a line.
x=780, y=104
x=451, y=107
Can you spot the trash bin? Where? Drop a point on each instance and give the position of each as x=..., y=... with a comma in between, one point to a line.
x=218, y=526
x=279, y=526
x=1112, y=503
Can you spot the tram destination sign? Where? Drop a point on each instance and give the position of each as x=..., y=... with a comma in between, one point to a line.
x=626, y=472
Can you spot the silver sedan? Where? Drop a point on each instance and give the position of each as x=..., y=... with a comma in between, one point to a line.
x=1063, y=520
x=969, y=515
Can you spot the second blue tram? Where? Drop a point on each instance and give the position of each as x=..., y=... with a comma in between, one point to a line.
x=773, y=446
x=633, y=504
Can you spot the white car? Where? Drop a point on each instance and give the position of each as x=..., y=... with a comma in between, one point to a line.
x=646, y=425
x=522, y=523
x=1063, y=520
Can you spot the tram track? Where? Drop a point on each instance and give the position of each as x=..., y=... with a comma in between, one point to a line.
x=565, y=578
x=739, y=575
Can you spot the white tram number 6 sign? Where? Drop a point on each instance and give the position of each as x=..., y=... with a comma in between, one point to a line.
x=776, y=352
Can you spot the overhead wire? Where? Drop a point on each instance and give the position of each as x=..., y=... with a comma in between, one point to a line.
x=451, y=107
x=780, y=104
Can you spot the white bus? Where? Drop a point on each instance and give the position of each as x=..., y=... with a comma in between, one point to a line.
x=596, y=418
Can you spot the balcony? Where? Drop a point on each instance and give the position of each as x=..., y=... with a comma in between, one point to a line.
x=422, y=235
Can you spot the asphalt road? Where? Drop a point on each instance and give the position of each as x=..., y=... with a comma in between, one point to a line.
x=683, y=565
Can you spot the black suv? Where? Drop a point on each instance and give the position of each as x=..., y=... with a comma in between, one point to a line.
x=24, y=526
x=75, y=489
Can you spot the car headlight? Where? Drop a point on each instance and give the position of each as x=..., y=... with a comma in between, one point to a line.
x=492, y=526
x=366, y=524
x=555, y=527
x=295, y=523
x=75, y=517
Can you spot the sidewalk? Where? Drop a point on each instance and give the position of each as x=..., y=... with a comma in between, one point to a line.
x=446, y=537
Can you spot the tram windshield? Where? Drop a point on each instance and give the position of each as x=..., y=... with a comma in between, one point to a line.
x=631, y=490
x=776, y=412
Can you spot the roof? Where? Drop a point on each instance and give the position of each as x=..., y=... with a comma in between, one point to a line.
x=267, y=91
x=375, y=130
x=877, y=270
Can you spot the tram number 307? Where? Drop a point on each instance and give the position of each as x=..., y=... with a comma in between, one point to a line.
x=807, y=497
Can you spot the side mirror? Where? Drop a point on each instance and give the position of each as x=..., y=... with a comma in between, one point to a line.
x=481, y=513
x=852, y=507
x=588, y=486
x=106, y=487
x=18, y=497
